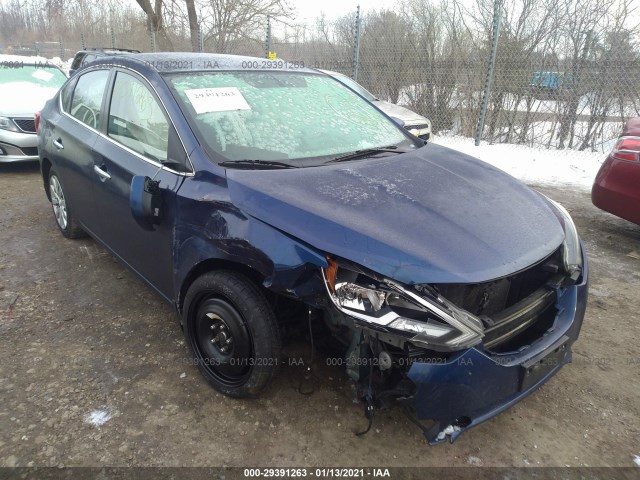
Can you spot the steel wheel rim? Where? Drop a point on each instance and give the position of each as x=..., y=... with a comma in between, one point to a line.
x=222, y=342
x=58, y=202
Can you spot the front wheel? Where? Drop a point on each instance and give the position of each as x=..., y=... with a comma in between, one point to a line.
x=232, y=332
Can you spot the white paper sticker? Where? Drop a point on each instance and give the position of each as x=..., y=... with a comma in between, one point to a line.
x=222, y=99
x=42, y=75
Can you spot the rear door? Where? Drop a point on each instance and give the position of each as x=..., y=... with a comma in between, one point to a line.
x=73, y=134
x=137, y=139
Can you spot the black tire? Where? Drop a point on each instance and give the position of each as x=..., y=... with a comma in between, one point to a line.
x=62, y=214
x=223, y=305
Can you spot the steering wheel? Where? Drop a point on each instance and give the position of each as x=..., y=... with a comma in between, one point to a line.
x=86, y=115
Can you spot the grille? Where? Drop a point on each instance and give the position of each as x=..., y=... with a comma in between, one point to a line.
x=30, y=151
x=516, y=321
x=514, y=308
x=26, y=124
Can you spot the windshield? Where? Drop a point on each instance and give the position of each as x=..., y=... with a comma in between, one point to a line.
x=43, y=75
x=299, y=118
x=353, y=85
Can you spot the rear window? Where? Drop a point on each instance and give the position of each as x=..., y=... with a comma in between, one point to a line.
x=77, y=60
x=81, y=59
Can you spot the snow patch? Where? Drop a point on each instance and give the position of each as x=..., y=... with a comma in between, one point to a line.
x=98, y=417
x=636, y=460
x=533, y=165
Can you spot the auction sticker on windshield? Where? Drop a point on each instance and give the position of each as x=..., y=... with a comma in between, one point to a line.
x=222, y=99
x=42, y=75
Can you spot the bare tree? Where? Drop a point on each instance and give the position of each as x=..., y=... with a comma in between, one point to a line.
x=156, y=22
x=227, y=21
x=583, y=19
x=194, y=28
x=386, y=53
x=441, y=50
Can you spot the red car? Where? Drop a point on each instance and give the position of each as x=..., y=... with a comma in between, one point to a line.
x=617, y=185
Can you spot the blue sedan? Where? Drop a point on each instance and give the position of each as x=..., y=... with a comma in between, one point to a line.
x=260, y=197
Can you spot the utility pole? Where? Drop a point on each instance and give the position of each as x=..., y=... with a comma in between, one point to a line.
x=356, y=48
x=497, y=17
x=267, y=44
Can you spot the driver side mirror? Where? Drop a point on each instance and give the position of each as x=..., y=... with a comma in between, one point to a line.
x=145, y=200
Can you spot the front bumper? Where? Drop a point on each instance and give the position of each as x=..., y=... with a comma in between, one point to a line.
x=475, y=384
x=18, y=146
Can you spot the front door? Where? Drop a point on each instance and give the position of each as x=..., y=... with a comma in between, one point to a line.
x=135, y=141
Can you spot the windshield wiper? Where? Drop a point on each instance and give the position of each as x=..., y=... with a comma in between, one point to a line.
x=256, y=164
x=367, y=153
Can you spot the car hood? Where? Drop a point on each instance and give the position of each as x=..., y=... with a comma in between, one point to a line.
x=23, y=99
x=407, y=116
x=433, y=215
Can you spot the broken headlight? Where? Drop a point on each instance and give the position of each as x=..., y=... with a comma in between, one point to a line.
x=571, y=250
x=427, y=319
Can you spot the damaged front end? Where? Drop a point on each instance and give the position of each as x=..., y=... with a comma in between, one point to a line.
x=455, y=355
x=457, y=312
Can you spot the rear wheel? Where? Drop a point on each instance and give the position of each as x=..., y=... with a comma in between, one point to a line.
x=64, y=218
x=232, y=333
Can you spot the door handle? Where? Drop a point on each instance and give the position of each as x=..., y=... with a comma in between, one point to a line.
x=101, y=173
x=58, y=144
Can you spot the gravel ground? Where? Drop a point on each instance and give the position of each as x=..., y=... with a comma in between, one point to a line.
x=94, y=370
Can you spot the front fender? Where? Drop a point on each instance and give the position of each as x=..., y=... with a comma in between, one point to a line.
x=212, y=228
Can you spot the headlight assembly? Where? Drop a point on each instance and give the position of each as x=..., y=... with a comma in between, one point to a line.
x=571, y=250
x=7, y=124
x=425, y=318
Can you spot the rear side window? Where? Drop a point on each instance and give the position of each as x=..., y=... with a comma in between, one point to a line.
x=87, y=97
x=65, y=95
x=136, y=119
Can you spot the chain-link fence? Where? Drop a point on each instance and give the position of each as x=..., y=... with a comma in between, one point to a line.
x=564, y=74
x=565, y=89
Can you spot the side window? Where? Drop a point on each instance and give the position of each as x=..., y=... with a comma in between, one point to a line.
x=87, y=97
x=136, y=120
x=65, y=95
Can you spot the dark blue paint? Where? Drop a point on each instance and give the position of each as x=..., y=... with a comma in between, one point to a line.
x=430, y=216
x=137, y=202
x=213, y=227
x=479, y=385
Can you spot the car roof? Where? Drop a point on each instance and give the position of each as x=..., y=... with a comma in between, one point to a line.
x=173, y=62
x=108, y=51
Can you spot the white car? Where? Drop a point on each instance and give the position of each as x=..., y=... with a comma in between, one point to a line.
x=413, y=122
x=26, y=83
